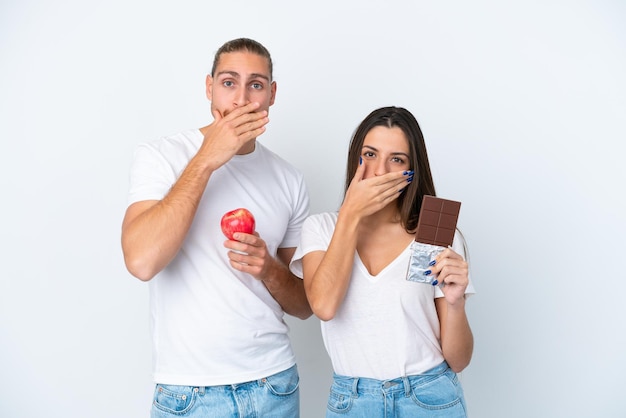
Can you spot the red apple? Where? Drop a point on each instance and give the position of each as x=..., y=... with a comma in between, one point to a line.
x=238, y=220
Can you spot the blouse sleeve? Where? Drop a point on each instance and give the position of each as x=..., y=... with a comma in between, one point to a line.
x=317, y=231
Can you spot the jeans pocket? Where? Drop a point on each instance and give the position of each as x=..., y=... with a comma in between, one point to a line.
x=442, y=392
x=175, y=400
x=283, y=383
x=339, y=401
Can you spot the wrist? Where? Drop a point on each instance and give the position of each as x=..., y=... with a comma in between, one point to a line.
x=273, y=273
x=347, y=219
x=458, y=305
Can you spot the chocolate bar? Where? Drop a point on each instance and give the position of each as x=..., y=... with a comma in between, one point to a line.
x=437, y=221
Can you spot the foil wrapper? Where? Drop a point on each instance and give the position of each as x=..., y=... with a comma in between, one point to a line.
x=421, y=257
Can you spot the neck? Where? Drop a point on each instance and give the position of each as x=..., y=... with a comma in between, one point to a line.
x=384, y=217
x=247, y=148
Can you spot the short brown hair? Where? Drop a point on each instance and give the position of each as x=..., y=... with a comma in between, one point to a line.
x=243, y=44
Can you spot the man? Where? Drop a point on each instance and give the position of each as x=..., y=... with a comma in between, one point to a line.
x=220, y=344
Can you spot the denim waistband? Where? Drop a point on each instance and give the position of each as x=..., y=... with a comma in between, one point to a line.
x=234, y=386
x=359, y=385
x=228, y=388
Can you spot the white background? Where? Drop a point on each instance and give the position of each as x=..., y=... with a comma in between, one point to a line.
x=522, y=104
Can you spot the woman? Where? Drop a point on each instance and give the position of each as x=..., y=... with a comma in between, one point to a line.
x=395, y=345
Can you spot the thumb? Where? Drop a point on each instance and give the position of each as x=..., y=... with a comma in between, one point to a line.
x=216, y=115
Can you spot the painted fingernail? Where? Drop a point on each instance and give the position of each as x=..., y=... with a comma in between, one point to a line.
x=427, y=272
x=408, y=173
x=401, y=190
x=432, y=263
x=360, y=160
x=435, y=282
x=410, y=179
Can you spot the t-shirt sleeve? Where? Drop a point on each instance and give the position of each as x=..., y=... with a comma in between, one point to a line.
x=299, y=215
x=151, y=177
x=317, y=231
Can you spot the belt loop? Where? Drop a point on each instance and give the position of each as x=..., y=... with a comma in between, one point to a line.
x=407, y=386
x=355, y=385
x=200, y=390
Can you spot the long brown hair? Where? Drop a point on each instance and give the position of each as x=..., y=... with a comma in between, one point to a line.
x=410, y=201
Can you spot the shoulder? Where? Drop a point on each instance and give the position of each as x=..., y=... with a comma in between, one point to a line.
x=189, y=138
x=185, y=142
x=172, y=151
x=324, y=220
x=276, y=160
x=317, y=232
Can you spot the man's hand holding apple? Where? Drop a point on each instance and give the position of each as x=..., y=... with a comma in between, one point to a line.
x=248, y=251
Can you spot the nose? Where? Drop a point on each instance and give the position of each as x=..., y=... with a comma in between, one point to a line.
x=241, y=97
x=380, y=167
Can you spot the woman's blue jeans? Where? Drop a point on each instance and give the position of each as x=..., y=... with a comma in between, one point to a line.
x=435, y=393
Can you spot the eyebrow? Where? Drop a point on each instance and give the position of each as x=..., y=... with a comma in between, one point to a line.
x=236, y=75
x=393, y=153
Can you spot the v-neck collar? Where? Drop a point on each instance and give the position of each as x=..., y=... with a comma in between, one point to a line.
x=374, y=278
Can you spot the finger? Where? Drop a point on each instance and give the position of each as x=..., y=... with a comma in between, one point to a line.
x=390, y=193
x=454, y=275
x=360, y=171
x=393, y=187
x=243, y=110
x=254, y=126
x=457, y=265
x=451, y=266
x=254, y=271
x=398, y=178
x=450, y=253
x=246, y=136
x=250, y=239
x=216, y=115
x=452, y=271
x=447, y=253
x=392, y=181
x=248, y=244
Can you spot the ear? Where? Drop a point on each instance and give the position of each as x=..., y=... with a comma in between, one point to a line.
x=273, y=97
x=209, y=87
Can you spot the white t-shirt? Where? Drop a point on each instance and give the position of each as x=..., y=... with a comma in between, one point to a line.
x=211, y=324
x=387, y=326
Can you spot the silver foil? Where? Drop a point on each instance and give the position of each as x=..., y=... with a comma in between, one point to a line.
x=419, y=262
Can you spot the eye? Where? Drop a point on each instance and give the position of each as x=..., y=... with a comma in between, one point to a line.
x=368, y=154
x=257, y=86
x=228, y=83
x=398, y=160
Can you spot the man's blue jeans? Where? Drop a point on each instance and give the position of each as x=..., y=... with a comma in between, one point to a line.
x=273, y=396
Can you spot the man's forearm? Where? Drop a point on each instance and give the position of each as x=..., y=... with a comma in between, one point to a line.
x=288, y=290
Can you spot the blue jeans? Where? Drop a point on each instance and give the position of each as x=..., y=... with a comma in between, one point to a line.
x=274, y=396
x=435, y=393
